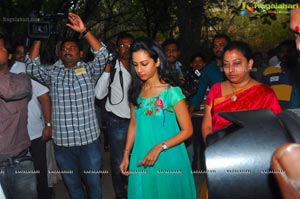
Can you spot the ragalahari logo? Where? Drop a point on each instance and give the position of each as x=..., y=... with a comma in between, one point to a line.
x=246, y=8
x=270, y=8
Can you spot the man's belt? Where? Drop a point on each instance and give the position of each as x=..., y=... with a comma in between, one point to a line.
x=16, y=159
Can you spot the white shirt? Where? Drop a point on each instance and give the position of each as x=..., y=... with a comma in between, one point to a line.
x=2, y=196
x=35, y=123
x=101, y=90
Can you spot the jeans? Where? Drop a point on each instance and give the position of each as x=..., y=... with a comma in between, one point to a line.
x=117, y=132
x=81, y=162
x=18, y=182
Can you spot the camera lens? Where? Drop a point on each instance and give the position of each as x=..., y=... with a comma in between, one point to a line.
x=112, y=56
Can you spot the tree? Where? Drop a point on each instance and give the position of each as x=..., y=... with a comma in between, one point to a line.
x=261, y=29
x=190, y=14
x=193, y=22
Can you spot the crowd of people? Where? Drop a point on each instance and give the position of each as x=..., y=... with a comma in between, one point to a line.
x=157, y=115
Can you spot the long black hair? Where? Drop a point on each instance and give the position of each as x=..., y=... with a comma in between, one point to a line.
x=155, y=51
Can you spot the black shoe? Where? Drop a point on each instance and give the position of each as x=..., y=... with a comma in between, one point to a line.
x=51, y=193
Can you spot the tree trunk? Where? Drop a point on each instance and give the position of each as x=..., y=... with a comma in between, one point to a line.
x=190, y=25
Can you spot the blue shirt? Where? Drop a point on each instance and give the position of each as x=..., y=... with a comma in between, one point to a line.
x=210, y=75
x=285, y=89
x=72, y=94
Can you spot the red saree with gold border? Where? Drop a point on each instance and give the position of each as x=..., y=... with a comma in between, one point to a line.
x=256, y=97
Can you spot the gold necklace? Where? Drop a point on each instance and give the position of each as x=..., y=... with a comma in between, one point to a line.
x=234, y=91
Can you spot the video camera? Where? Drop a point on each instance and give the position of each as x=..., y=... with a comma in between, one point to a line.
x=190, y=84
x=41, y=25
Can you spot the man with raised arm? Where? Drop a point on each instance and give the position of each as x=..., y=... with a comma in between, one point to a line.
x=74, y=123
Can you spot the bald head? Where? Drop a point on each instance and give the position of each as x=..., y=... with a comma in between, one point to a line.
x=295, y=24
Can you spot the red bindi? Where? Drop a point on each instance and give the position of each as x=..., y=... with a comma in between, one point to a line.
x=297, y=29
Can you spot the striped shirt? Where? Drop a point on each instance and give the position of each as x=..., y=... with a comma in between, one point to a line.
x=72, y=94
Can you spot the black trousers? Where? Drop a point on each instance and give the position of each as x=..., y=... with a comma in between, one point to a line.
x=198, y=144
x=38, y=152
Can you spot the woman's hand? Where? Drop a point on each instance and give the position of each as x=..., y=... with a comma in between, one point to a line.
x=151, y=157
x=76, y=23
x=124, y=166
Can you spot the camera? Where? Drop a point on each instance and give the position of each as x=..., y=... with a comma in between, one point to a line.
x=112, y=56
x=42, y=26
x=191, y=81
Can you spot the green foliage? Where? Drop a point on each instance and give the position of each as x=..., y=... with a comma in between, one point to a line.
x=260, y=29
x=194, y=22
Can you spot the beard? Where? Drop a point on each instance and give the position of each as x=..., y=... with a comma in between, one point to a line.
x=3, y=64
x=219, y=54
x=171, y=59
x=126, y=55
x=67, y=58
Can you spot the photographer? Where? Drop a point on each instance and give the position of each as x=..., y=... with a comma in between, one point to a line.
x=114, y=83
x=74, y=123
x=211, y=73
x=190, y=84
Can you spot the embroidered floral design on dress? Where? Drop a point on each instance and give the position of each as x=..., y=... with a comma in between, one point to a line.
x=149, y=112
x=156, y=107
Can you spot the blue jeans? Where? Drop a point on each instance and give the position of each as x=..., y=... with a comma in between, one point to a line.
x=81, y=162
x=117, y=133
x=17, y=184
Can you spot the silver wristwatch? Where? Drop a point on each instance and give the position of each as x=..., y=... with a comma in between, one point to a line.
x=48, y=124
x=164, y=146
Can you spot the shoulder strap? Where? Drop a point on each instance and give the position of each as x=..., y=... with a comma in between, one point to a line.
x=112, y=73
x=112, y=76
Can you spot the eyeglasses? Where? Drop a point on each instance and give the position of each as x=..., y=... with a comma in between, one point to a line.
x=220, y=45
x=18, y=52
x=71, y=48
x=124, y=45
x=171, y=51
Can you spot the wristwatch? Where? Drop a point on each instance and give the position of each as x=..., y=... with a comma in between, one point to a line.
x=48, y=124
x=84, y=33
x=164, y=146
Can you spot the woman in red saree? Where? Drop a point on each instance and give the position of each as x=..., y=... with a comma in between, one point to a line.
x=239, y=92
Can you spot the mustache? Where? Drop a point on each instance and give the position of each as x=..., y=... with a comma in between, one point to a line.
x=67, y=55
